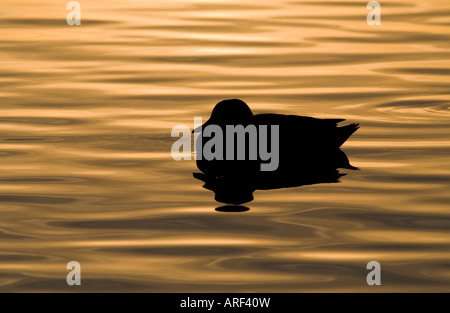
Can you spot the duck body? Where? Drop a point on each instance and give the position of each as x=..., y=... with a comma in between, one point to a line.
x=304, y=143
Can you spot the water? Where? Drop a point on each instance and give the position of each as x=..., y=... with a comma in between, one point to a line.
x=86, y=170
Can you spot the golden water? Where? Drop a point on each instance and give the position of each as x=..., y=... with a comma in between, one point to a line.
x=86, y=172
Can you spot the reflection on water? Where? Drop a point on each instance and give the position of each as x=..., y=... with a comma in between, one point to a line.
x=232, y=208
x=86, y=170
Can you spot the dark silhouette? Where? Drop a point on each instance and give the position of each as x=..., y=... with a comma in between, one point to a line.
x=309, y=153
x=232, y=208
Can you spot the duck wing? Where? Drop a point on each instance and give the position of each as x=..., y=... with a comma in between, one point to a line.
x=309, y=130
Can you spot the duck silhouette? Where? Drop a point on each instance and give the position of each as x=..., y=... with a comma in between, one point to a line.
x=308, y=153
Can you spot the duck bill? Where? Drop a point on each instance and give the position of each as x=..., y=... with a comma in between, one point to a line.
x=199, y=129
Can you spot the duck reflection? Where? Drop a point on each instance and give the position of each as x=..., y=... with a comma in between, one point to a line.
x=232, y=208
x=308, y=153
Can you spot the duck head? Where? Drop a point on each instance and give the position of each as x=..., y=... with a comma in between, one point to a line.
x=229, y=112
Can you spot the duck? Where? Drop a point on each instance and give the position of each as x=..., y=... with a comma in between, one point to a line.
x=306, y=144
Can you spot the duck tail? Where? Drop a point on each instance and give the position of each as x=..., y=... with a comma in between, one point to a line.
x=343, y=133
